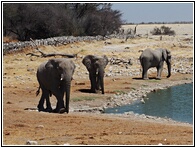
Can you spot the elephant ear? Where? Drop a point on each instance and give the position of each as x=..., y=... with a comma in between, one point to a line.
x=87, y=62
x=73, y=66
x=105, y=60
x=168, y=54
x=51, y=64
x=164, y=52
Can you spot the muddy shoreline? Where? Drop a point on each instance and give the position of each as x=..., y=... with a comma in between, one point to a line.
x=132, y=96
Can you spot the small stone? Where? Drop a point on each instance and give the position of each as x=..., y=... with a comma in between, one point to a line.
x=142, y=100
x=40, y=126
x=79, y=83
x=31, y=142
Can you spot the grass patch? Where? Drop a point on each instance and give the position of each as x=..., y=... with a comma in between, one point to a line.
x=86, y=98
x=133, y=88
x=144, y=85
x=82, y=50
x=153, y=80
x=119, y=92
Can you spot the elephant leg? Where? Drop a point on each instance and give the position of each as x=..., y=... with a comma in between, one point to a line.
x=45, y=95
x=98, y=84
x=60, y=102
x=144, y=73
x=93, y=82
x=48, y=104
x=40, y=106
x=159, y=71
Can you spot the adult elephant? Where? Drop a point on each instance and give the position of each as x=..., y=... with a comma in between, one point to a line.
x=155, y=58
x=54, y=77
x=96, y=67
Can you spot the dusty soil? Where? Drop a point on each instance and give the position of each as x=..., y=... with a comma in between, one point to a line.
x=21, y=124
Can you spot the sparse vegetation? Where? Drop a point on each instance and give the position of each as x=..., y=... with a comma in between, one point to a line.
x=119, y=92
x=83, y=98
x=163, y=30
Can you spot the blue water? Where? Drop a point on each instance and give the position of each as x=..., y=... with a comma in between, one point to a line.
x=175, y=102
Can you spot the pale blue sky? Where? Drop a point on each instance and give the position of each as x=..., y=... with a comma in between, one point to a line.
x=155, y=12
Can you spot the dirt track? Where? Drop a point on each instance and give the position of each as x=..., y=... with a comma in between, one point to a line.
x=81, y=128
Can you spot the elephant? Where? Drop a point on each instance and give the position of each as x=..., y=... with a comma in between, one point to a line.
x=54, y=77
x=155, y=58
x=96, y=67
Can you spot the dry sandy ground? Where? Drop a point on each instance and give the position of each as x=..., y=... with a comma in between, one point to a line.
x=82, y=128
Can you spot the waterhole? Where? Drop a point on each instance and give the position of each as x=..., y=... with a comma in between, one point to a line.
x=175, y=103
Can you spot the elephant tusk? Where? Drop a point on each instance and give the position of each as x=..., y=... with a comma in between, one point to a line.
x=61, y=77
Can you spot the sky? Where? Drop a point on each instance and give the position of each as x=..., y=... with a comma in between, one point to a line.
x=154, y=12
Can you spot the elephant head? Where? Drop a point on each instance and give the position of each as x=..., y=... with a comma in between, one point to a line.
x=96, y=66
x=167, y=58
x=55, y=77
x=63, y=68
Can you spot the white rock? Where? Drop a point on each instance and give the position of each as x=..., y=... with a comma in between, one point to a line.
x=40, y=126
x=31, y=142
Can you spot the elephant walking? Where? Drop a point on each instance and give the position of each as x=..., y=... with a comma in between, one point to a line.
x=96, y=65
x=155, y=58
x=54, y=77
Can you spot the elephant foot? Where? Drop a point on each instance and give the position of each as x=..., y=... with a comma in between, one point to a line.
x=40, y=108
x=146, y=78
x=48, y=109
x=67, y=110
x=61, y=110
x=97, y=91
x=54, y=110
x=158, y=78
x=92, y=91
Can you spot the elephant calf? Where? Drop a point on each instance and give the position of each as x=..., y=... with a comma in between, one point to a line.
x=155, y=58
x=54, y=77
x=95, y=66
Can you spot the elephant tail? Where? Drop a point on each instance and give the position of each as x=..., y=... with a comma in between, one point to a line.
x=37, y=92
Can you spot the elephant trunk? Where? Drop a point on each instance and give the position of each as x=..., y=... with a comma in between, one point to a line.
x=67, y=95
x=169, y=69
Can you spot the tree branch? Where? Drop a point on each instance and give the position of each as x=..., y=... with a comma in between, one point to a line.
x=43, y=55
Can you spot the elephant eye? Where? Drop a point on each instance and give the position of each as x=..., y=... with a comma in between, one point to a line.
x=60, y=68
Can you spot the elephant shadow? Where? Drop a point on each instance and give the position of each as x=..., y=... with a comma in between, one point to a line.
x=44, y=110
x=85, y=90
x=140, y=78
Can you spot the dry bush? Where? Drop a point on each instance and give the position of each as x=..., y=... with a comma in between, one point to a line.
x=163, y=30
